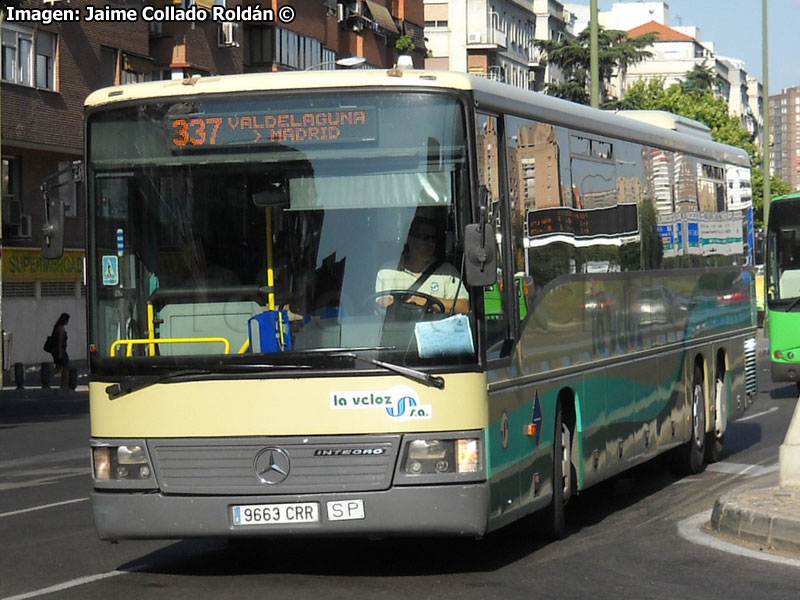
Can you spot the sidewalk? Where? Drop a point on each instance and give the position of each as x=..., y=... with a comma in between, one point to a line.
x=15, y=403
x=760, y=512
x=766, y=511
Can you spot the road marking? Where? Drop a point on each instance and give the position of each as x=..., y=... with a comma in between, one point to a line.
x=42, y=507
x=758, y=414
x=690, y=530
x=65, y=585
x=59, y=456
x=732, y=468
x=49, y=477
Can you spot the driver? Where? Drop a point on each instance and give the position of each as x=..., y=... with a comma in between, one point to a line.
x=418, y=263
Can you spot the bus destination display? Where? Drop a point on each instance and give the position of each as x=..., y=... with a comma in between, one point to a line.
x=317, y=126
x=583, y=224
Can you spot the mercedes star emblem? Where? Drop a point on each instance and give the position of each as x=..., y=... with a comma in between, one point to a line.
x=272, y=465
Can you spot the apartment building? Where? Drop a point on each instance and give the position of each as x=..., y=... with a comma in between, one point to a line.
x=48, y=70
x=784, y=153
x=493, y=38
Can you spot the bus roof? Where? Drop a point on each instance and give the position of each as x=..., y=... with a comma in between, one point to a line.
x=284, y=80
x=489, y=95
x=786, y=197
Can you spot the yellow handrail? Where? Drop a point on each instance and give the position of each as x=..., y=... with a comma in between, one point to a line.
x=151, y=329
x=149, y=341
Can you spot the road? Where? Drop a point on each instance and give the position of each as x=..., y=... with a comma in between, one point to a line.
x=623, y=541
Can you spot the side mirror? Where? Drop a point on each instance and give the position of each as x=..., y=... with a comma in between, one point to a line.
x=481, y=255
x=53, y=228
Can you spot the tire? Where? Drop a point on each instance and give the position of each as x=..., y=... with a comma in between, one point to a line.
x=552, y=520
x=715, y=443
x=690, y=459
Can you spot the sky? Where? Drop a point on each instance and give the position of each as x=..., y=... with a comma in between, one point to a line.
x=735, y=28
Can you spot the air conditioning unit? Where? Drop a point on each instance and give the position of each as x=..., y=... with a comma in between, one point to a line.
x=474, y=38
x=24, y=229
x=227, y=35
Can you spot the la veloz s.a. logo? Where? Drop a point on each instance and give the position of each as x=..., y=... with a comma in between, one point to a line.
x=400, y=403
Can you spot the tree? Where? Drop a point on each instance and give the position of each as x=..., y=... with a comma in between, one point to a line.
x=700, y=79
x=700, y=106
x=777, y=187
x=616, y=52
x=703, y=106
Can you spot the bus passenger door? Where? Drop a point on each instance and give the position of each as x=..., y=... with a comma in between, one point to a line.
x=506, y=446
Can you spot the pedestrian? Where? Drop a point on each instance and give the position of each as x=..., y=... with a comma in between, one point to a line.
x=59, y=351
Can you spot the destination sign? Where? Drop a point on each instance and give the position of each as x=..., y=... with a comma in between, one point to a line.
x=318, y=126
x=583, y=224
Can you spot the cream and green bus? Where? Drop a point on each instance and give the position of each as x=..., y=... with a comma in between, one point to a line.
x=591, y=306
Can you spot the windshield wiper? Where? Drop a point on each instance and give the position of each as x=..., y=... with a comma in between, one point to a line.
x=138, y=382
x=794, y=303
x=413, y=374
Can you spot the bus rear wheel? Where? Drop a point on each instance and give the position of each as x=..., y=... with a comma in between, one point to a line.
x=690, y=457
x=715, y=443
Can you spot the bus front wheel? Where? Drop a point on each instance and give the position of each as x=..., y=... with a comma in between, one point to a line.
x=552, y=521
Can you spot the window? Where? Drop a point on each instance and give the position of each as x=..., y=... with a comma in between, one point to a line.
x=46, y=60
x=11, y=204
x=496, y=301
x=18, y=54
x=108, y=67
x=134, y=69
x=258, y=45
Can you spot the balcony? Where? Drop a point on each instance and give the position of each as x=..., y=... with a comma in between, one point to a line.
x=535, y=57
x=492, y=39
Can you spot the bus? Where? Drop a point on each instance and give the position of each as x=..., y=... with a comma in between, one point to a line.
x=249, y=377
x=783, y=287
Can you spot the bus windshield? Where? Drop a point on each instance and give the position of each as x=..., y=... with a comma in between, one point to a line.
x=229, y=229
x=784, y=249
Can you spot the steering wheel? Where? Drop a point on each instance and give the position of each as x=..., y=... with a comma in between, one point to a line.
x=400, y=302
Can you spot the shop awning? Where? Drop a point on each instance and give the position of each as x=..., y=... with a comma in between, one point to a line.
x=380, y=14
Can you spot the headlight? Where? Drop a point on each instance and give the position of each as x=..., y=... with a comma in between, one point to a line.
x=120, y=462
x=431, y=456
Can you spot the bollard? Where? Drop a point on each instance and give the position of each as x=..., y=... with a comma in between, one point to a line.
x=19, y=375
x=47, y=373
x=73, y=379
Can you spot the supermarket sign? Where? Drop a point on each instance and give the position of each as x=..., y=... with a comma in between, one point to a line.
x=27, y=264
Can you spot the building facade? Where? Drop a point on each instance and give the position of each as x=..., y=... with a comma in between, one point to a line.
x=784, y=153
x=48, y=70
x=493, y=38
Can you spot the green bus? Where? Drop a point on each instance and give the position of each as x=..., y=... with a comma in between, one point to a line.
x=783, y=288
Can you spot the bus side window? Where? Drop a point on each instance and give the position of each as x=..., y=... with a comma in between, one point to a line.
x=489, y=175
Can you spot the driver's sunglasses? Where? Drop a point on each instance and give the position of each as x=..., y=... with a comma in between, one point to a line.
x=424, y=237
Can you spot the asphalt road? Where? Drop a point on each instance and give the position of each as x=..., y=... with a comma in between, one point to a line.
x=623, y=541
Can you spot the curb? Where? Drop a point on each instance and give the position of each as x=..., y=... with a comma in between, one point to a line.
x=769, y=517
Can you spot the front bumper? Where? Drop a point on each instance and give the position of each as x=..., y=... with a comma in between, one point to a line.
x=451, y=510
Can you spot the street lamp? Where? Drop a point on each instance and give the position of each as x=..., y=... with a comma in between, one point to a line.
x=594, y=59
x=767, y=192
x=348, y=62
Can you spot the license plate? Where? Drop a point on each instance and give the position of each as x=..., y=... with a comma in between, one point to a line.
x=345, y=510
x=276, y=514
